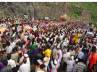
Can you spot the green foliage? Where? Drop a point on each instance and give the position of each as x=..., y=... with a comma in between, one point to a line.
x=75, y=11
x=53, y=10
x=91, y=7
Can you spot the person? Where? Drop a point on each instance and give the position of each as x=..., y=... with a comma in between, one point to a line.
x=3, y=56
x=65, y=42
x=76, y=39
x=11, y=62
x=26, y=47
x=33, y=46
x=70, y=64
x=25, y=56
x=60, y=55
x=80, y=66
x=6, y=67
x=39, y=66
x=47, y=55
x=53, y=63
x=66, y=55
x=81, y=55
x=10, y=46
x=15, y=55
x=92, y=58
x=24, y=67
x=1, y=66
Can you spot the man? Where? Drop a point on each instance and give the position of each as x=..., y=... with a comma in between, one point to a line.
x=24, y=66
x=70, y=64
x=11, y=62
x=47, y=55
x=6, y=67
x=25, y=56
x=80, y=66
x=92, y=58
x=59, y=56
x=65, y=42
x=10, y=46
x=1, y=66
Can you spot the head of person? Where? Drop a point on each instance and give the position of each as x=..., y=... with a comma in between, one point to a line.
x=5, y=62
x=93, y=49
x=25, y=60
x=40, y=64
x=26, y=56
x=8, y=56
x=8, y=43
x=20, y=53
x=82, y=60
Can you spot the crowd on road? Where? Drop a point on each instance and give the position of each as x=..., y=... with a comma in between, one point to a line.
x=29, y=45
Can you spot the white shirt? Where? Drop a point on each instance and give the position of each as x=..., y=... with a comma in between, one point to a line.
x=19, y=28
x=9, y=48
x=66, y=56
x=65, y=43
x=34, y=28
x=81, y=55
x=54, y=66
x=70, y=65
x=90, y=33
x=11, y=63
x=61, y=36
x=59, y=57
x=46, y=62
x=21, y=60
x=24, y=68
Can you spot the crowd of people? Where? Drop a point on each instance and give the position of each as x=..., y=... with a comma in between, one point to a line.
x=29, y=45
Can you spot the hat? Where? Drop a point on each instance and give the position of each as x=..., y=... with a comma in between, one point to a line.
x=25, y=55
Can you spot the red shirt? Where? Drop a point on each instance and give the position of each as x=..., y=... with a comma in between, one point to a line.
x=92, y=59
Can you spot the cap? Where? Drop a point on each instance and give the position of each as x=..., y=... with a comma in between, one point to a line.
x=25, y=55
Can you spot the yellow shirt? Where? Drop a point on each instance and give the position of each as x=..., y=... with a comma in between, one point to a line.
x=47, y=52
x=75, y=39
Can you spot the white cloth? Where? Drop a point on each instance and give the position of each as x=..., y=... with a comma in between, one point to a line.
x=9, y=48
x=11, y=63
x=34, y=28
x=81, y=55
x=65, y=43
x=70, y=65
x=61, y=36
x=19, y=28
x=55, y=53
x=46, y=62
x=59, y=57
x=54, y=67
x=66, y=56
x=25, y=37
x=24, y=68
x=90, y=33
x=28, y=61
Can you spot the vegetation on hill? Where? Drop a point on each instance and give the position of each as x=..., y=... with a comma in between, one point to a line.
x=52, y=10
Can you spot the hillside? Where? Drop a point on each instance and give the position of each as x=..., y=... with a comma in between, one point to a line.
x=52, y=10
